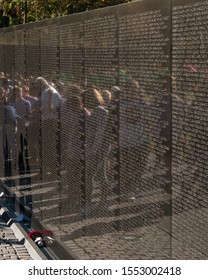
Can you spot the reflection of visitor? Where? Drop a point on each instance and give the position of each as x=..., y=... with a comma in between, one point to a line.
x=113, y=137
x=22, y=106
x=23, y=109
x=8, y=126
x=51, y=102
x=96, y=152
x=73, y=135
x=2, y=122
x=50, y=99
x=4, y=83
x=34, y=128
x=106, y=95
x=33, y=100
x=133, y=140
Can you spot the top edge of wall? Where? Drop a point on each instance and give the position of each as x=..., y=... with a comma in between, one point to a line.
x=100, y=11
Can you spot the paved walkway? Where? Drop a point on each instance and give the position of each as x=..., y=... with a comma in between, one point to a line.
x=14, y=241
x=10, y=247
x=136, y=228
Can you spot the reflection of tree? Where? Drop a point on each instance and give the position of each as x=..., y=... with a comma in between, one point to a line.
x=31, y=10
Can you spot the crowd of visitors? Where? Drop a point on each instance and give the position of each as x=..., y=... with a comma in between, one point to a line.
x=33, y=107
x=82, y=133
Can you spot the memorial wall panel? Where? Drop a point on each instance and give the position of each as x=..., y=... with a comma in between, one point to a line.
x=72, y=50
x=2, y=114
x=9, y=52
x=101, y=176
x=10, y=135
x=189, y=129
x=20, y=52
x=101, y=72
x=49, y=40
x=27, y=67
x=101, y=48
x=33, y=50
x=144, y=119
x=2, y=122
x=71, y=117
x=50, y=110
x=34, y=133
x=101, y=171
x=20, y=82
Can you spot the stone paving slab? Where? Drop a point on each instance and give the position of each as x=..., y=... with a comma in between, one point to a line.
x=14, y=242
x=10, y=247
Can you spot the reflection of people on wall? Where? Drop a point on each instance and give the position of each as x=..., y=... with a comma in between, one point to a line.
x=2, y=122
x=9, y=129
x=132, y=138
x=73, y=132
x=113, y=138
x=51, y=102
x=106, y=95
x=50, y=99
x=31, y=93
x=23, y=109
x=4, y=83
x=96, y=152
x=185, y=105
